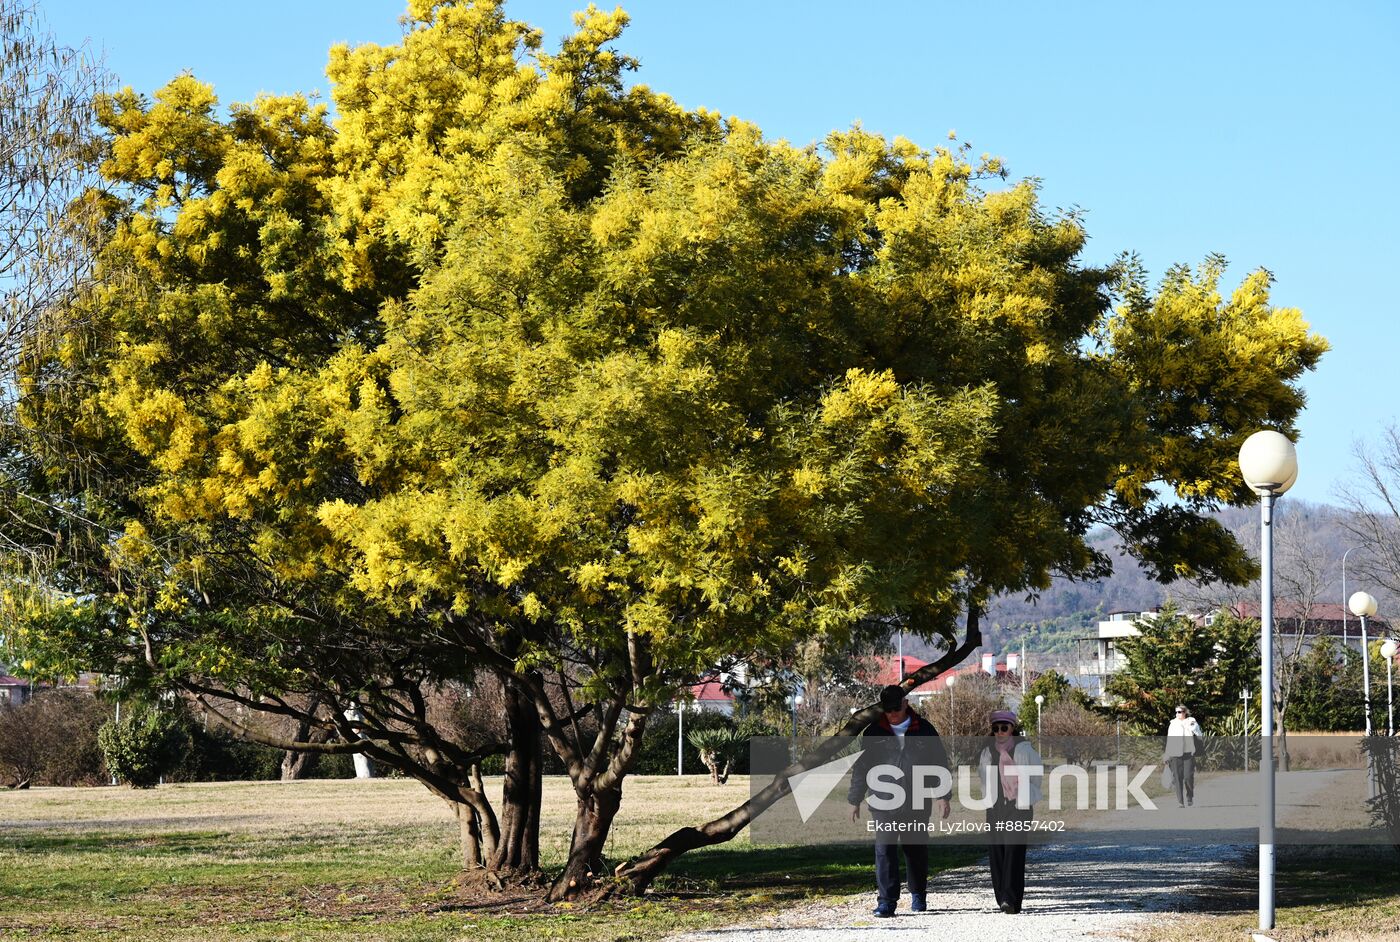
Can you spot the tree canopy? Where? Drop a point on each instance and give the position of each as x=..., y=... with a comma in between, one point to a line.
x=516, y=367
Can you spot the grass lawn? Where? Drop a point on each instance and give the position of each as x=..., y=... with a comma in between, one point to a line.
x=363, y=860
x=1336, y=894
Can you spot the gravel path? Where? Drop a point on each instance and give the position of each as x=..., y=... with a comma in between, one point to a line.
x=1081, y=891
x=1072, y=893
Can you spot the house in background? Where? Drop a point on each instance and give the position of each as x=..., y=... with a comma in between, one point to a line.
x=1009, y=674
x=717, y=694
x=1320, y=620
x=1100, y=658
x=712, y=696
x=15, y=691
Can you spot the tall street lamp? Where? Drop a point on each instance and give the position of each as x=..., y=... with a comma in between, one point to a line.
x=680, y=736
x=1269, y=465
x=1344, y=595
x=1244, y=695
x=1363, y=605
x=1388, y=652
x=952, y=716
x=1039, y=738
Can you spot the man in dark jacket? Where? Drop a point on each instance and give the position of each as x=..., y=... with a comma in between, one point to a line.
x=892, y=747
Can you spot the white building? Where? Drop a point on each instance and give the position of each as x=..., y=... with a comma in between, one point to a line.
x=1099, y=656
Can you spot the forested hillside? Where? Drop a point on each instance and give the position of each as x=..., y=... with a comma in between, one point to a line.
x=1310, y=540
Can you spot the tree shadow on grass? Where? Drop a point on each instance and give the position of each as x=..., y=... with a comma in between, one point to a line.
x=1347, y=875
x=111, y=842
x=796, y=871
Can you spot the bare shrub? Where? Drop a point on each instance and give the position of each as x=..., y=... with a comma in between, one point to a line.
x=1327, y=752
x=1073, y=733
x=961, y=715
x=52, y=740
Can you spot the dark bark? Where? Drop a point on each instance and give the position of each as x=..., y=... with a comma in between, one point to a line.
x=476, y=807
x=295, y=762
x=597, y=768
x=518, y=852
x=639, y=872
x=592, y=823
x=718, y=774
x=469, y=822
x=295, y=765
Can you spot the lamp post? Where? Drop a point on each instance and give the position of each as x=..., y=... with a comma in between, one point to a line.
x=1269, y=465
x=952, y=715
x=1344, y=596
x=796, y=702
x=680, y=737
x=1039, y=739
x=1388, y=652
x=1244, y=695
x=1363, y=605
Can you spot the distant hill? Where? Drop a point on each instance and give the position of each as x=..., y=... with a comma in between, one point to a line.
x=1048, y=624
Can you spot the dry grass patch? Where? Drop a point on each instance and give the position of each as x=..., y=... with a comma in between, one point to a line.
x=362, y=860
x=1337, y=894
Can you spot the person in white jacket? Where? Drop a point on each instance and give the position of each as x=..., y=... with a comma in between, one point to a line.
x=1183, y=743
x=1012, y=810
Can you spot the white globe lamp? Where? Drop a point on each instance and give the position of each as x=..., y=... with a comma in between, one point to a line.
x=1362, y=604
x=1268, y=462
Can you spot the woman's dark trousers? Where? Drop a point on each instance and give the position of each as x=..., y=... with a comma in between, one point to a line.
x=1007, y=854
x=1184, y=771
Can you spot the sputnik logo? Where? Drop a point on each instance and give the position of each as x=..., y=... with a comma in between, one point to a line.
x=810, y=788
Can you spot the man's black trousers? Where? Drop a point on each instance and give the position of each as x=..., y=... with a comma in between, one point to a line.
x=887, y=867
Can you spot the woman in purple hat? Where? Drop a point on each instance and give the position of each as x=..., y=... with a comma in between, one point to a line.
x=1003, y=768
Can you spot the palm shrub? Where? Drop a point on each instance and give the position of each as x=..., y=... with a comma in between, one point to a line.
x=1226, y=746
x=718, y=747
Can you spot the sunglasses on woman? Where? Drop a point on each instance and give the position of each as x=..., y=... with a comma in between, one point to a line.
x=1001, y=727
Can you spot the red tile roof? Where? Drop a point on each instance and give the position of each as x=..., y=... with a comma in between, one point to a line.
x=887, y=669
x=1321, y=615
x=711, y=690
x=888, y=672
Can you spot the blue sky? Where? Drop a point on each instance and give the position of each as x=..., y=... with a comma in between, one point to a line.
x=1262, y=131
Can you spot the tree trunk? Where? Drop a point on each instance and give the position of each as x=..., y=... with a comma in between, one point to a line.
x=518, y=853
x=592, y=823
x=295, y=765
x=470, y=825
